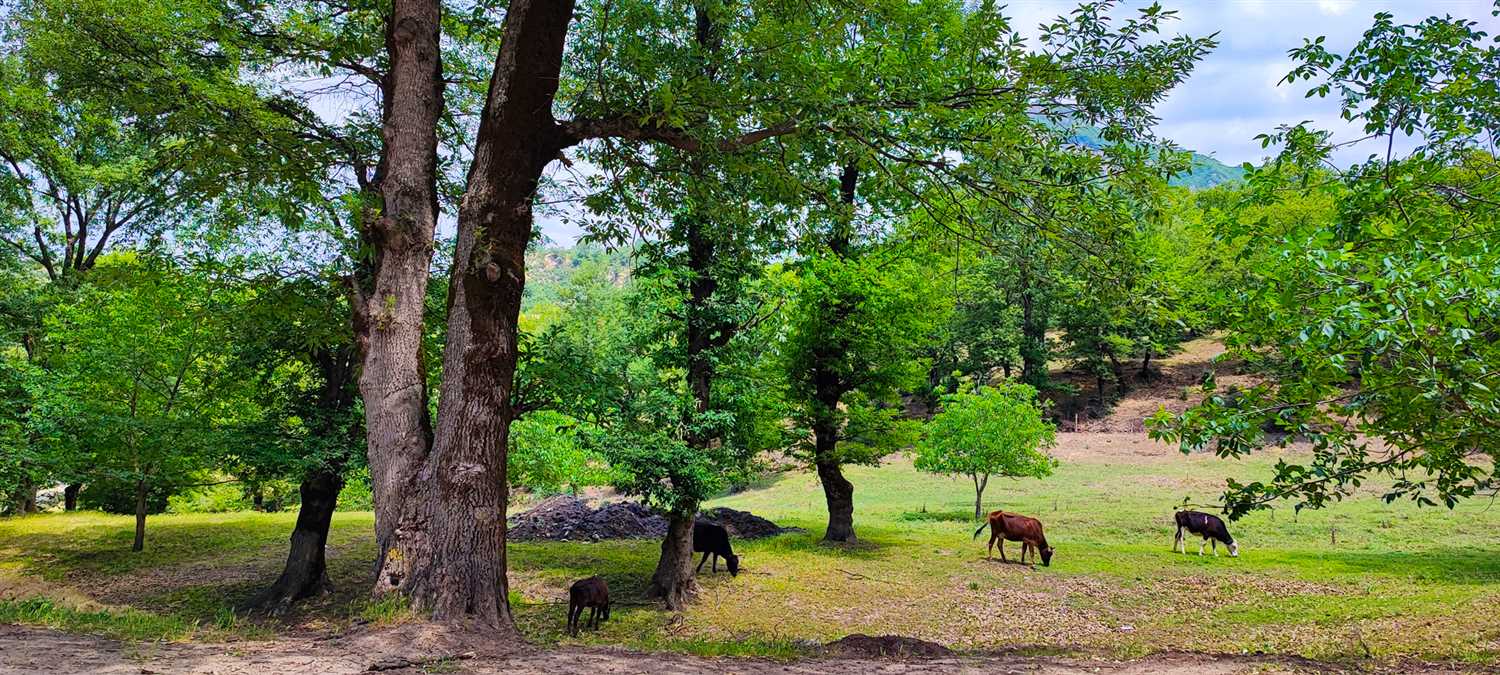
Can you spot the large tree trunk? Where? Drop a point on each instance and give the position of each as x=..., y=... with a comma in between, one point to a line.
x=70, y=496
x=838, y=492
x=830, y=387
x=448, y=551
x=305, y=574
x=673, y=580
x=140, y=515
x=388, y=312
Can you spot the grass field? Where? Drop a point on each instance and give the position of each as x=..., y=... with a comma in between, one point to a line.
x=1362, y=579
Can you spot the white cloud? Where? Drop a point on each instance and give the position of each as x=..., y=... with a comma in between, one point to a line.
x=1335, y=7
x=1251, y=7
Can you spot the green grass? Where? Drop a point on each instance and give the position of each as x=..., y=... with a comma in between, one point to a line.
x=1400, y=581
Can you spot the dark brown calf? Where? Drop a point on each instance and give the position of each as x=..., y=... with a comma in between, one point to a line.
x=592, y=593
x=1006, y=526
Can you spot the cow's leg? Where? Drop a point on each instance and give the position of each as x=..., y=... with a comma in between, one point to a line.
x=1214, y=544
x=1201, y=545
x=700, y=562
x=573, y=612
x=989, y=552
x=1002, y=550
x=1178, y=541
x=715, y=566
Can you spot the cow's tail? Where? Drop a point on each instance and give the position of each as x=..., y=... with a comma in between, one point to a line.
x=981, y=529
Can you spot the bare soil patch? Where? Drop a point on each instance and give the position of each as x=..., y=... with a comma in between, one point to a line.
x=1174, y=383
x=420, y=649
x=886, y=646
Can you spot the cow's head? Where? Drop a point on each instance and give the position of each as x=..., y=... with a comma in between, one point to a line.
x=734, y=564
x=1234, y=549
x=1047, y=556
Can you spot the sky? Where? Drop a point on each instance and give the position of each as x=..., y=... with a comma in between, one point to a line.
x=1232, y=94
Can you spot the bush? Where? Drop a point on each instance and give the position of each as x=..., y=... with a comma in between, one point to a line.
x=113, y=495
x=210, y=499
x=356, y=495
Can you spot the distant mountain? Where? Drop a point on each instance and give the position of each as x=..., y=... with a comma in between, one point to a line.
x=548, y=269
x=1206, y=172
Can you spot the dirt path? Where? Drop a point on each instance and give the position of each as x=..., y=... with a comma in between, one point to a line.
x=38, y=650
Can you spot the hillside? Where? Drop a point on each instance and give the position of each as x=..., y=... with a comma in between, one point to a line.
x=1206, y=172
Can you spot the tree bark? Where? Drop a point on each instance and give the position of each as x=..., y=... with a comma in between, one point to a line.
x=70, y=496
x=1118, y=369
x=673, y=580
x=388, y=313
x=447, y=555
x=829, y=387
x=306, y=572
x=838, y=492
x=1033, y=334
x=26, y=498
x=140, y=515
x=980, y=483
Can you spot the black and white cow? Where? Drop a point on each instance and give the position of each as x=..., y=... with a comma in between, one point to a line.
x=1208, y=526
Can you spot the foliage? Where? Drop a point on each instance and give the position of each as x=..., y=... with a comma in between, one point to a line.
x=880, y=309
x=992, y=431
x=145, y=369
x=1374, y=319
x=115, y=494
x=660, y=444
x=546, y=454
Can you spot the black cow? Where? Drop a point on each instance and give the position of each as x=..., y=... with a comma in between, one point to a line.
x=713, y=539
x=1205, y=525
x=592, y=593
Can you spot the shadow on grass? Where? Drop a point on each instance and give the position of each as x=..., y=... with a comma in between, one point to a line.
x=104, y=549
x=198, y=571
x=626, y=565
x=939, y=517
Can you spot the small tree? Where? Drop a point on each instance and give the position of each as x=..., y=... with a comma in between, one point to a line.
x=995, y=431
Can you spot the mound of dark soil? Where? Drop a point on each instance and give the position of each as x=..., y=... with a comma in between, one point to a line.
x=743, y=524
x=565, y=518
x=885, y=646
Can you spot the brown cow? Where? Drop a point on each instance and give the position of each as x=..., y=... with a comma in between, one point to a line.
x=1015, y=527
